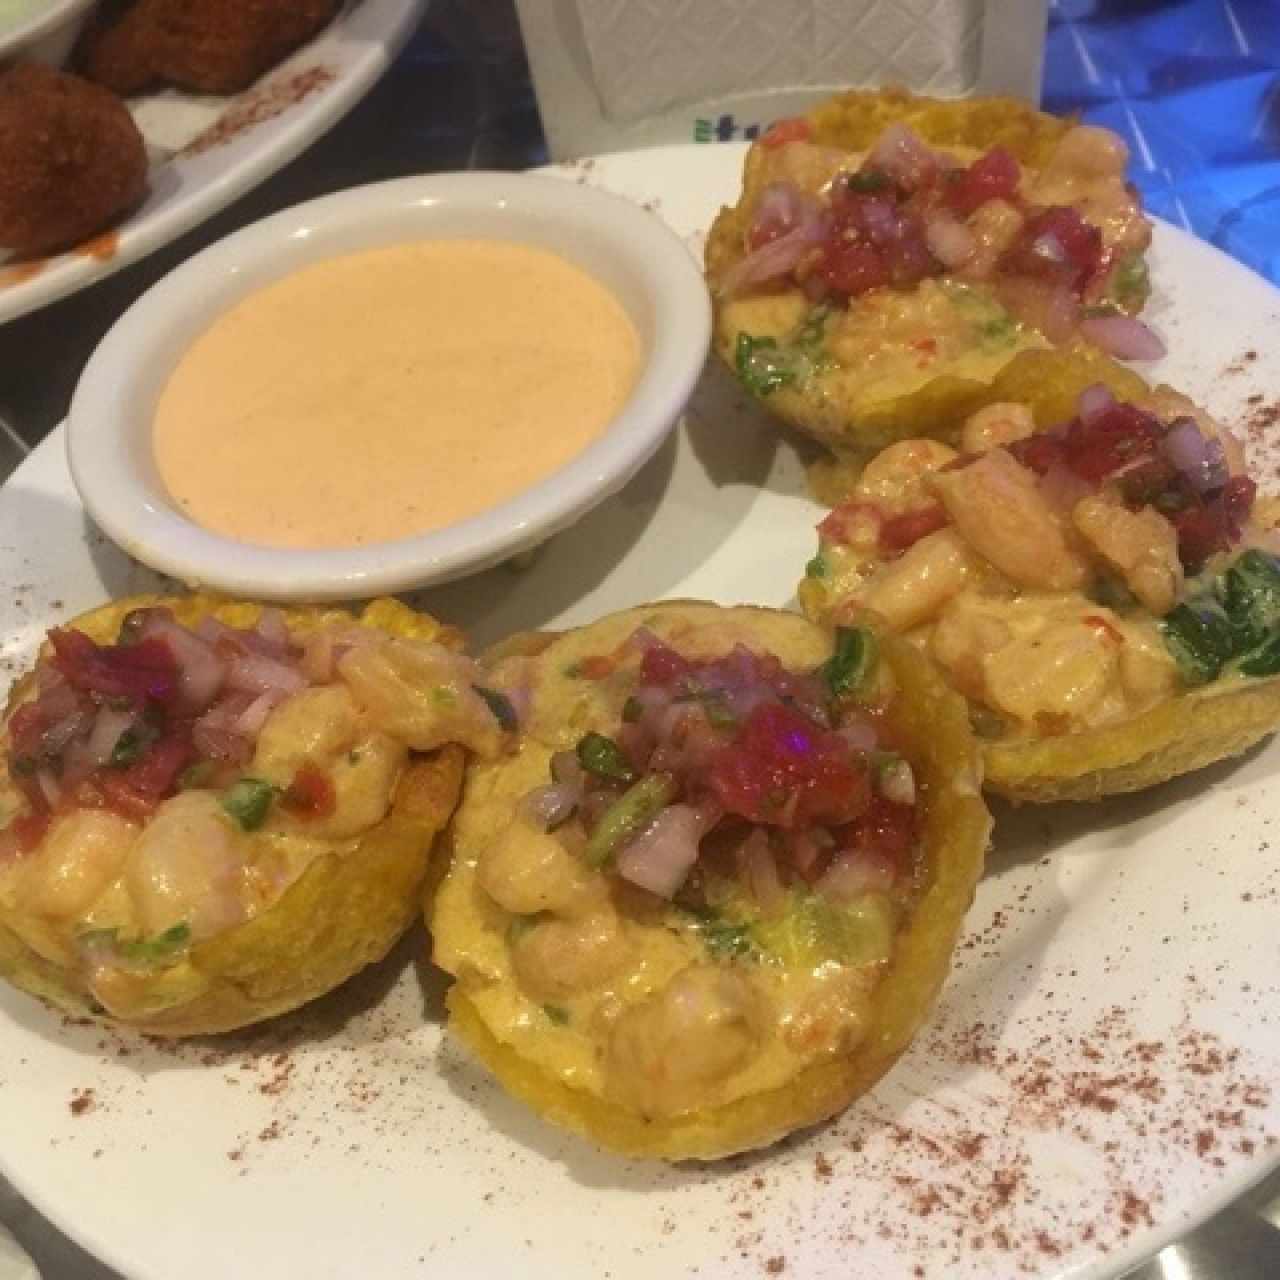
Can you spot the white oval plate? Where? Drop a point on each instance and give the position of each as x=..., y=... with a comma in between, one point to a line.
x=206, y=151
x=1097, y=1078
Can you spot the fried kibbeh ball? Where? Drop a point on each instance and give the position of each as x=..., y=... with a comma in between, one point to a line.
x=71, y=160
x=209, y=46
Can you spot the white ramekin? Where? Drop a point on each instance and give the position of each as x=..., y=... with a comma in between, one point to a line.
x=629, y=250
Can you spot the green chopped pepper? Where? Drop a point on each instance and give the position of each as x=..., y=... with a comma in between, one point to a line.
x=1250, y=594
x=140, y=951
x=762, y=365
x=627, y=815
x=603, y=757
x=248, y=801
x=851, y=664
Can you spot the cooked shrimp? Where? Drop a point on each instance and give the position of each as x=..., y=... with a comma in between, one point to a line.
x=82, y=854
x=670, y=1053
x=1001, y=514
x=1142, y=546
x=914, y=588
x=895, y=478
x=557, y=959
x=995, y=425
x=526, y=871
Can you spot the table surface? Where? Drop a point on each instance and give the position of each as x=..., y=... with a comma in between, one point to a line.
x=1194, y=85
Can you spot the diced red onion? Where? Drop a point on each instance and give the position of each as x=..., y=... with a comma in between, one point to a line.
x=901, y=154
x=54, y=738
x=108, y=726
x=257, y=673
x=881, y=220
x=201, y=671
x=950, y=241
x=760, y=873
x=565, y=767
x=856, y=872
x=274, y=633
x=1125, y=337
x=661, y=856
x=250, y=721
x=1201, y=459
x=49, y=787
x=898, y=783
x=547, y=807
x=1095, y=401
x=774, y=259
x=1048, y=247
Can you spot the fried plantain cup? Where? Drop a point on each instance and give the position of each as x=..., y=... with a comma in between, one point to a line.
x=191, y=848
x=869, y=286
x=680, y=975
x=1105, y=593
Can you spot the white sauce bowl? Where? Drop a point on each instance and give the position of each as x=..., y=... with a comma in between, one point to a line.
x=628, y=250
x=47, y=34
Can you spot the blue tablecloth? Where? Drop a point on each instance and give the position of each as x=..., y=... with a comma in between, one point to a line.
x=1194, y=86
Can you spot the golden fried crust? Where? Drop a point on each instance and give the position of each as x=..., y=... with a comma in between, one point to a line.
x=71, y=160
x=344, y=912
x=1186, y=733
x=853, y=121
x=935, y=735
x=209, y=46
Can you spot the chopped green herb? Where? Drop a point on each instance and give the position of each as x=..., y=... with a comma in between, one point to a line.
x=817, y=567
x=503, y=712
x=851, y=664
x=1201, y=638
x=1131, y=284
x=1250, y=593
x=248, y=801
x=139, y=951
x=814, y=329
x=129, y=747
x=556, y=1014
x=1264, y=660
x=632, y=710
x=627, y=815
x=762, y=366
x=603, y=757
x=727, y=940
x=867, y=181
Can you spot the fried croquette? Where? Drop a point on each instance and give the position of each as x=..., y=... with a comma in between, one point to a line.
x=209, y=46
x=71, y=160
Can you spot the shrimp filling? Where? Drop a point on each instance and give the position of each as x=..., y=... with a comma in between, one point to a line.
x=696, y=904
x=174, y=784
x=1062, y=579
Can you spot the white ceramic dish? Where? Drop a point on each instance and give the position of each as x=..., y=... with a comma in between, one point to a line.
x=1100, y=1074
x=47, y=34
x=207, y=151
x=632, y=254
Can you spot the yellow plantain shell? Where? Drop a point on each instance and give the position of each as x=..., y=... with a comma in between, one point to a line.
x=853, y=121
x=935, y=735
x=345, y=911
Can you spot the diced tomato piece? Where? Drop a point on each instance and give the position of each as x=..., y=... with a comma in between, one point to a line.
x=993, y=176
x=900, y=532
x=1237, y=500
x=1115, y=438
x=136, y=791
x=142, y=672
x=792, y=129
x=26, y=728
x=852, y=268
x=311, y=794
x=784, y=770
x=1057, y=244
x=849, y=518
x=1039, y=453
x=887, y=828
x=663, y=666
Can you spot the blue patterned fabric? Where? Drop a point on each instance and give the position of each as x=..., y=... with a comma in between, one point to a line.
x=1194, y=86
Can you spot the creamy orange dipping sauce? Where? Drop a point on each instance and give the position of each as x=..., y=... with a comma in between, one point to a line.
x=392, y=392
